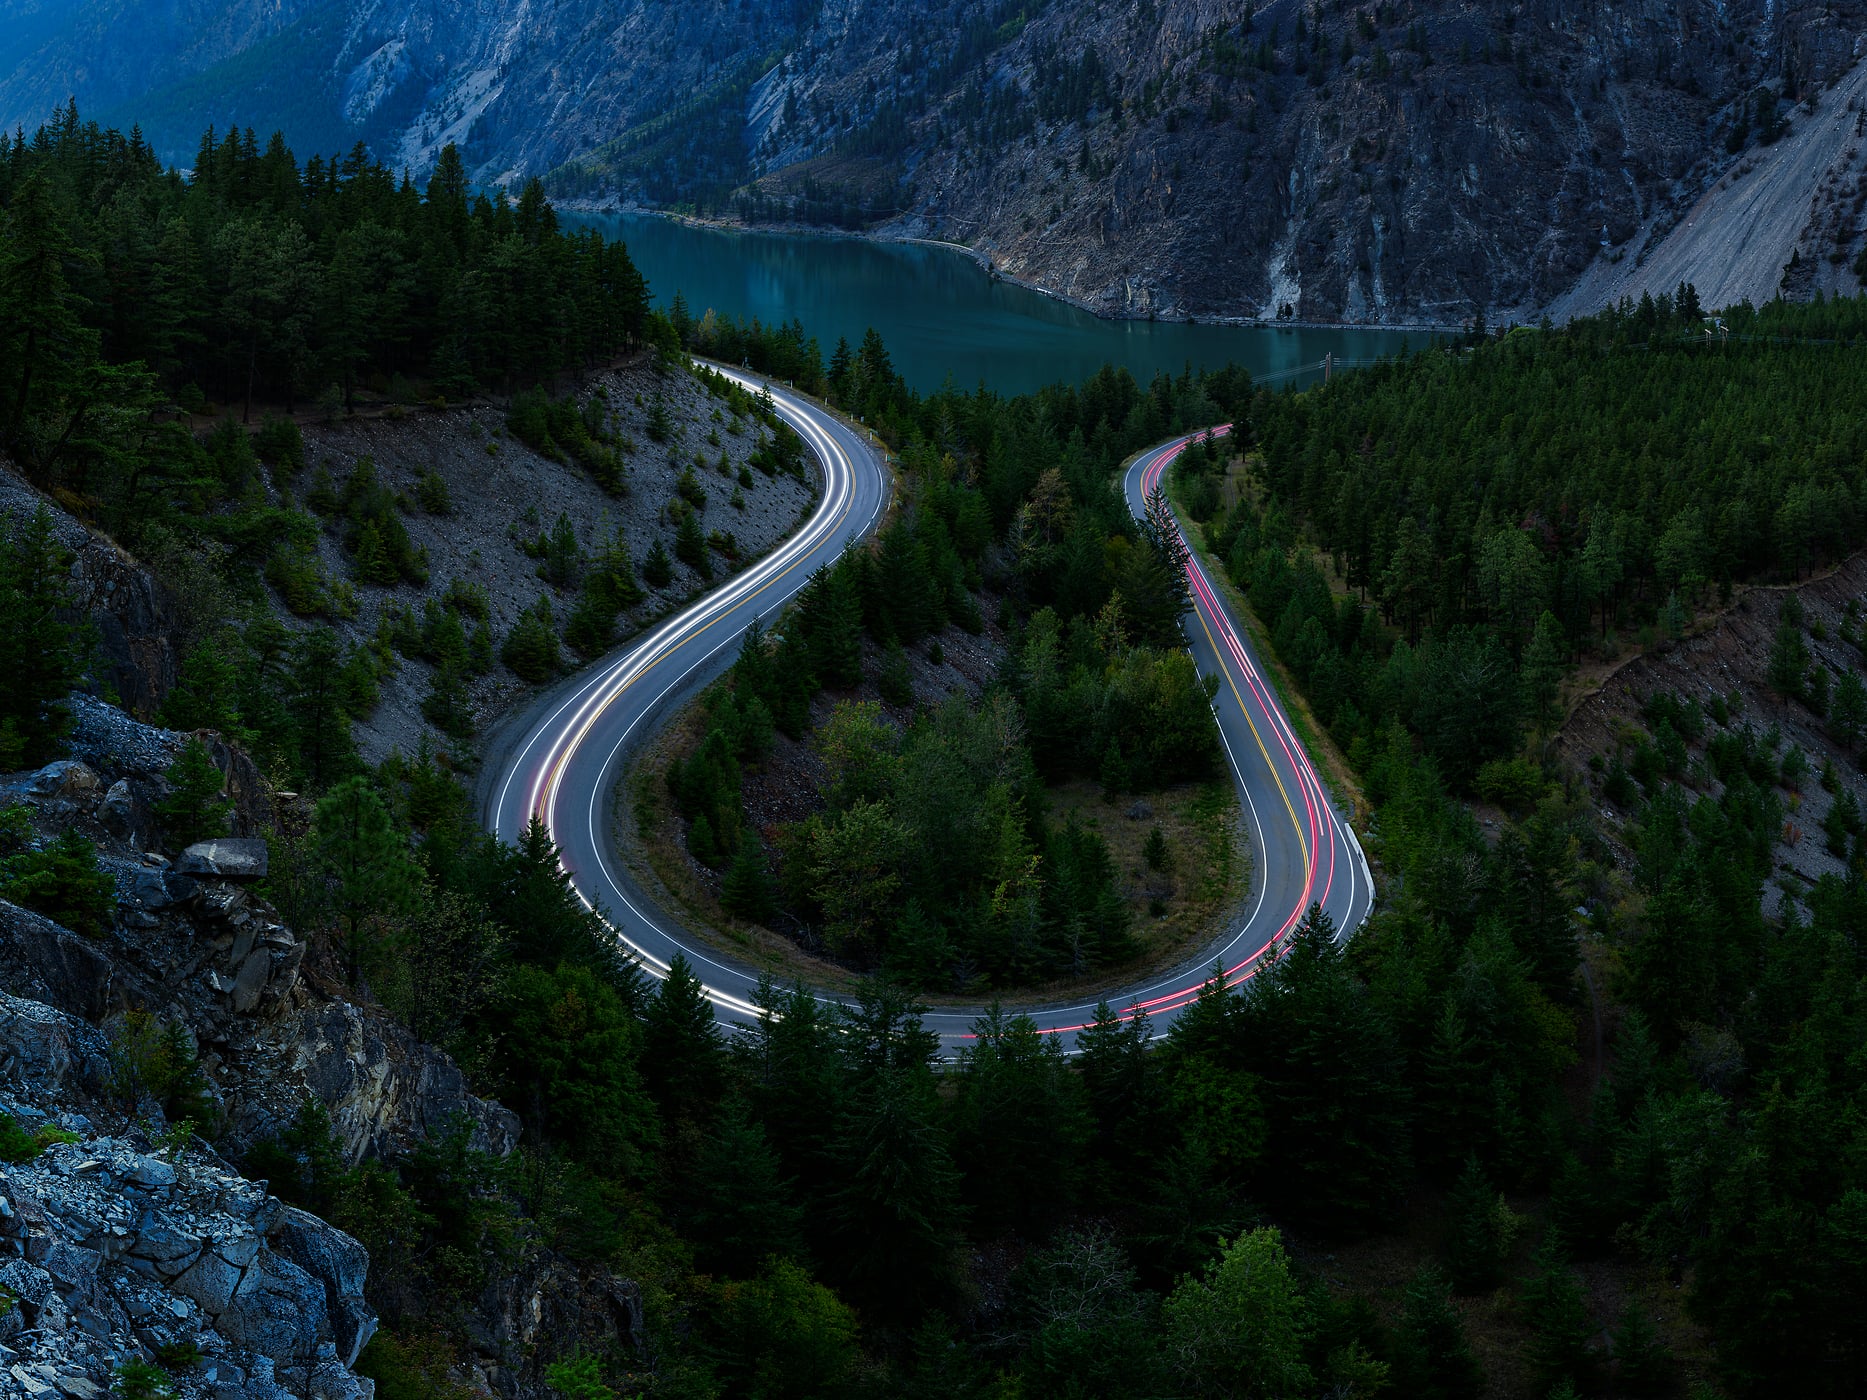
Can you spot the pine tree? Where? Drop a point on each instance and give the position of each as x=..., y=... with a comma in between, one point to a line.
x=320, y=721
x=1642, y=1365
x=1789, y=662
x=206, y=693
x=1019, y=1125
x=1480, y=1229
x=1557, y=1315
x=366, y=860
x=1848, y=712
x=894, y=1219
x=1122, y=1083
x=894, y=680
x=1432, y=1359
x=39, y=650
x=196, y=807
x=747, y=892
x=683, y=1059
x=531, y=647
x=657, y=568
x=739, y=1210
x=690, y=545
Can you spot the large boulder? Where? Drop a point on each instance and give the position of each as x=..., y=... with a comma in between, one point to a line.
x=225, y=858
x=338, y=1263
x=51, y=964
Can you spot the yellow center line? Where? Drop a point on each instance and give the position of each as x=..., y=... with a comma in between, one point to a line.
x=1309, y=859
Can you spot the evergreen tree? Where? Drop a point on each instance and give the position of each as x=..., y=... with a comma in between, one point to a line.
x=748, y=892
x=1331, y=1078
x=1557, y=1315
x=1480, y=1230
x=739, y=1210
x=532, y=896
x=1788, y=670
x=366, y=861
x=567, y=1056
x=196, y=807
x=894, y=1218
x=657, y=568
x=320, y=721
x=531, y=647
x=39, y=650
x=1642, y=1365
x=690, y=545
x=1847, y=716
x=683, y=1056
x=1019, y=1127
x=206, y=693
x=1122, y=1086
x=1432, y=1360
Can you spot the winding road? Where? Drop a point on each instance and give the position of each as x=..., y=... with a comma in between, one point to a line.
x=563, y=758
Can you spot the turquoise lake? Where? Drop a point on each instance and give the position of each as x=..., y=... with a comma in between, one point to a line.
x=942, y=314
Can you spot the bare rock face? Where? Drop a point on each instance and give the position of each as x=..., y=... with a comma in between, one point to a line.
x=234, y=858
x=191, y=940
x=131, y=614
x=117, y=1247
x=114, y=1249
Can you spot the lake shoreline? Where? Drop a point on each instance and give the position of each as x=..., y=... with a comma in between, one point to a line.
x=984, y=261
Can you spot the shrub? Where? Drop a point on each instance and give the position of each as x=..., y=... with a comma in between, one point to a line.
x=151, y=1056
x=432, y=493
x=139, y=1380
x=196, y=807
x=63, y=882
x=17, y=1146
x=531, y=649
x=280, y=446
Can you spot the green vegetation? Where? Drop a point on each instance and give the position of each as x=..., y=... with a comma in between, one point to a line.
x=19, y=1146
x=196, y=806
x=1430, y=545
x=59, y=878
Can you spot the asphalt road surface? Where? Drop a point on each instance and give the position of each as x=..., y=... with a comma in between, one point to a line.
x=564, y=757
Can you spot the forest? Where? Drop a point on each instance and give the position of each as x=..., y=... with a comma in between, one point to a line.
x=1429, y=544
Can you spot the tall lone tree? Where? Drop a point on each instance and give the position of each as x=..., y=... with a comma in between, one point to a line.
x=366, y=862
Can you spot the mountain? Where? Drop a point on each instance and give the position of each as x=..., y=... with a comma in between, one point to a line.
x=1395, y=162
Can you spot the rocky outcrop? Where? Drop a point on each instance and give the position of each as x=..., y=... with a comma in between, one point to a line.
x=193, y=940
x=119, y=1247
x=131, y=614
x=113, y=1248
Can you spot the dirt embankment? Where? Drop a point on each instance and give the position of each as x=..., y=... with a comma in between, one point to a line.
x=1727, y=660
x=502, y=494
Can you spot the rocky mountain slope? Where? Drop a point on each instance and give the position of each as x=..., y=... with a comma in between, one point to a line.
x=1387, y=163
x=118, y=1247
x=130, y=1242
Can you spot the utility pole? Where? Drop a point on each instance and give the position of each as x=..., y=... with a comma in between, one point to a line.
x=1328, y=363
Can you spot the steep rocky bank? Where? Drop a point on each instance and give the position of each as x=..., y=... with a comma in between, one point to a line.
x=130, y=1239
x=124, y=1243
x=1723, y=667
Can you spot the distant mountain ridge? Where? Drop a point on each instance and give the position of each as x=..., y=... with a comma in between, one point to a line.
x=1394, y=162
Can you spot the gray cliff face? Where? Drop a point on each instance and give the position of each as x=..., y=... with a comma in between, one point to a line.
x=113, y=1247
x=1171, y=157
x=131, y=614
x=192, y=940
x=117, y=1247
